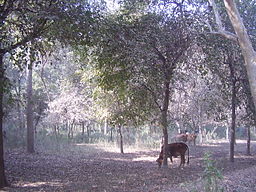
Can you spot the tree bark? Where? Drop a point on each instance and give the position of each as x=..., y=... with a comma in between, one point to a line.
x=38, y=29
x=164, y=123
x=227, y=133
x=56, y=133
x=121, y=138
x=245, y=44
x=248, y=149
x=21, y=118
x=83, y=128
x=3, y=181
x=68, y=128
x=251, y=108
x=105, y=126
x=30, y=127
x=233, y=109
x=233, y=123
x=111, y=134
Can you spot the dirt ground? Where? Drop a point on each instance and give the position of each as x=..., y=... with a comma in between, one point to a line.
x=94, y=168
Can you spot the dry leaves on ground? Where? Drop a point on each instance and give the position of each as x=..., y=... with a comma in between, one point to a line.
x=96, y=168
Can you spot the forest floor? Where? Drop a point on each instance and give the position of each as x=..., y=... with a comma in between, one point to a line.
x=97, y=168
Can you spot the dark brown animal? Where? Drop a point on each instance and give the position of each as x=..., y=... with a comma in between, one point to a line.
x=174, y=150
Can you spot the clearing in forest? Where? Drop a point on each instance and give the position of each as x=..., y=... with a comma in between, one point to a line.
x=97, y=168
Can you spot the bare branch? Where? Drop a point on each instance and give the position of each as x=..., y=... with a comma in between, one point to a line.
x=221, y=29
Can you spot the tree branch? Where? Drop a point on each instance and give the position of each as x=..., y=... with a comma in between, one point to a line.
x=220, y=27
x=153, y=94
x=38, y=30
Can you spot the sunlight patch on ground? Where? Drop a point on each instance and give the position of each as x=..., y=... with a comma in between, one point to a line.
x=244, y=156
x=127, y=149
x=40, y=183
x=99, y=146
x=211, y=145
x=244, y=141
x=107, y=147
x=144, y=158
x=226, y=141
x=117, y=159
x=218, y=141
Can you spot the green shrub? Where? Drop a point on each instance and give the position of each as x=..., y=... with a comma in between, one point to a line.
x=212, y=177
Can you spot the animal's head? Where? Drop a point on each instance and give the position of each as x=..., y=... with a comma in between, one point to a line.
x=159, y=161
x=181, y=137
x=192, y=136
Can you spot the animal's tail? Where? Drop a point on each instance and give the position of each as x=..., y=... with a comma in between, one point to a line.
x=188, y=155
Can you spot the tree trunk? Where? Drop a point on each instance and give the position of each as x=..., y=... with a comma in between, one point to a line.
x=227, y=133
x=245, y=44
x=251, y=107
x=69, y=125
x=233, y=79
x=3, y=181
x=72, y=130
x=200, y=132
x=30, y=128
x=21, y=121
x=68, y=129
x=83, y=128
x=248, y=151
x=56, y=133
x=88, y=132
x=233, y=122
x=121, y=138
x=111, y=134
x=164, y=123
x=105, y=126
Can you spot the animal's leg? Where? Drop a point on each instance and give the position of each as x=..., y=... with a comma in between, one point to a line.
x=181, y=160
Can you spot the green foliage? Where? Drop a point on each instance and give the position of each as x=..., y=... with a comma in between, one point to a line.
x=212, y=176
x=210, y=181
x=13, y=137
x=135, y=53
x=75, y=22
x=127, y=58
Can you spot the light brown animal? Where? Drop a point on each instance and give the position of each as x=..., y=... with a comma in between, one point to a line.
x=181, y=138
x=174, y=150
x=191, y=138
x=188, y=137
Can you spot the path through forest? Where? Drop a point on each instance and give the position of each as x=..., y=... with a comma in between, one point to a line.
x=94, y=168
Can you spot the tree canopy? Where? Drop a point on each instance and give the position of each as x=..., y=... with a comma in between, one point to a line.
x=142, y=70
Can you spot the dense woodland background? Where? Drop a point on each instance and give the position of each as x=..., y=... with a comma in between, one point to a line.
x=121, y=74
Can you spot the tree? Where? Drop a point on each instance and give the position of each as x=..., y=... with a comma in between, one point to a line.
x=24, y=21
x=9, y=11
x=247, y=50
x=3, y=181
x=140, y=50
x=230, y=61
x=241, y=37
x=30, y=126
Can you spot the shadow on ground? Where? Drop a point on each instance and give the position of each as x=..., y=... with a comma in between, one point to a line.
x=96, y=168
